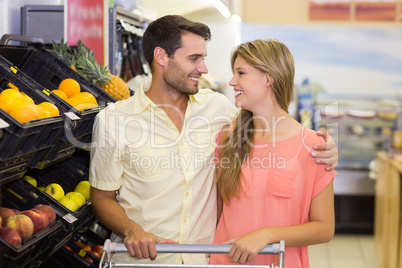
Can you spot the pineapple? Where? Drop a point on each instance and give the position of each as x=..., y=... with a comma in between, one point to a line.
x=87, y=67
x=62, y=53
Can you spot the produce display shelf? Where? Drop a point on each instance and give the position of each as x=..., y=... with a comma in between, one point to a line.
x=25, y=143
x=52, y=150
x=74, y=255
x=36, y=248
x=64, y=257
x=42, y=69
x=67, y=174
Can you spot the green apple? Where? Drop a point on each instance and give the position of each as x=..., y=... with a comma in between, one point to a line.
x=31, y=180
x=84, y=188
x=55, y=191
x=41, y=188
x=76, y=197
x=69, y=203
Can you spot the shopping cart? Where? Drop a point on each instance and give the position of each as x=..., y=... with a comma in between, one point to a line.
x=111, y=247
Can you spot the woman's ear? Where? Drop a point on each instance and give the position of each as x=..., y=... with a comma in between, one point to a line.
x=270, y=80
x=160, y=56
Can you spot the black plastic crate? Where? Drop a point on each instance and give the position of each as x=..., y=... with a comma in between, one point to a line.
x=47, y=70
x=62, y=71
x=93, y=234
x=42, y=69
x=25, y=143
x=86, y=256
x=67, y=174
x=65, y=258
x=37, y=248
x=74, y=255
x=13, y=172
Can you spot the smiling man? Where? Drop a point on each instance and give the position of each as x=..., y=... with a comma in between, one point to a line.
x=151, y=174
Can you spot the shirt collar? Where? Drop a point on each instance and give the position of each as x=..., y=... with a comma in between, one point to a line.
x=142, y=101
x=195, y=97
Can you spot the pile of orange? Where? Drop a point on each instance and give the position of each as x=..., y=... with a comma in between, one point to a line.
x=23, y=108
x=70, y=91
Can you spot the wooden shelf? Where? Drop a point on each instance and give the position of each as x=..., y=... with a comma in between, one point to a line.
x=387, y=225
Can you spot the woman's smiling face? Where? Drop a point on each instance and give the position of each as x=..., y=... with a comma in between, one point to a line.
x=249, y=84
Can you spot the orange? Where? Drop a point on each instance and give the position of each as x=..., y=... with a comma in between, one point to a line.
x=84, y=106
x=13, y=86
x=9, y=98
x=41, y=111
x=24, y=112
x=50, y=107
x=26, y=98
x=70, y=87
x=62, y=95
x=82, y=101
x=86, y=97
x=74, y=101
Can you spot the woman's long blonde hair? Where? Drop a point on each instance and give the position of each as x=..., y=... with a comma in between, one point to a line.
x=275, y=60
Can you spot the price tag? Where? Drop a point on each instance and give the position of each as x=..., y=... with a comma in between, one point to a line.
x=70, y=218
x=72, y=116
x=82, y=253
x=13, y=69
x=3, y=124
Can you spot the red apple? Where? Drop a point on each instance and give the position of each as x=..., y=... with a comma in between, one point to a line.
x=22, y=224
x=38, y=217
x=16, y=211
x=68, y=248
x=88, y=259
x=5, y=213
x=98, y=249
x=11, y=236
x=96, y=254
x=51, y=214
x=84, y=246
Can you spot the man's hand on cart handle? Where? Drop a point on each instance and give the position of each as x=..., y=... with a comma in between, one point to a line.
x=142, y=244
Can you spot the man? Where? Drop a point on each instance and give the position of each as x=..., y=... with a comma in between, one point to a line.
x=151, y=168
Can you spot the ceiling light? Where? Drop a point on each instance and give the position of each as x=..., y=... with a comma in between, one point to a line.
x=236, y=17
x=222, y=8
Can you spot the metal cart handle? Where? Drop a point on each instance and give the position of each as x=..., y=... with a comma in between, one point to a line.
x=111, y=247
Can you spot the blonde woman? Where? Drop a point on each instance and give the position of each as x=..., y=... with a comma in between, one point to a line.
x=271, y=187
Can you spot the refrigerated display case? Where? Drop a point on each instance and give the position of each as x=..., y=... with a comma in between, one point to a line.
x=360, y=128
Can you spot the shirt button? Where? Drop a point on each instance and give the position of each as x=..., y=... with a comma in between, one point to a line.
x=187, y=193
x=185, y=220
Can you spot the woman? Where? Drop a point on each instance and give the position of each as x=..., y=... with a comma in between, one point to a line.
x=271, y=187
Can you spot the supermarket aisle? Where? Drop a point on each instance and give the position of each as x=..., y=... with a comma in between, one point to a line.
x=346, y=251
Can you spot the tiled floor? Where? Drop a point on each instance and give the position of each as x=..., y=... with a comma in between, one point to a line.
x=345, y=251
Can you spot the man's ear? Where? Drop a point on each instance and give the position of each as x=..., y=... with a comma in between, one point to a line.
x=160, y=56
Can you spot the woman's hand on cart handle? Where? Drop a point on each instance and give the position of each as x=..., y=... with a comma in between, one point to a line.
x=247, y=247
